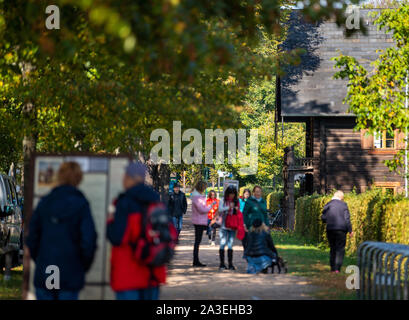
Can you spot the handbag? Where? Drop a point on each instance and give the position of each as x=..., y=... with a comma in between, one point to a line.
x=232, y=221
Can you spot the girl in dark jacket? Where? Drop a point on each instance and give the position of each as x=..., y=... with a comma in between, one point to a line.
x=259, y=248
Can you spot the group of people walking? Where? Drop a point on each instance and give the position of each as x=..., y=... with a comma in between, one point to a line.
x=243, y=218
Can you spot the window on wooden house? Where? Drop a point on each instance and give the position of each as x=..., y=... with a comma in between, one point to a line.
x=384, y=140
x=388, y=187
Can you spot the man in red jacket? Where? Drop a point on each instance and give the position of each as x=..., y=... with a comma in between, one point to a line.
x=129, y=279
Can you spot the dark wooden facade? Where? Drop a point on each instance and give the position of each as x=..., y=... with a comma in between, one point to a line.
x=342, y=158
x=346, y=159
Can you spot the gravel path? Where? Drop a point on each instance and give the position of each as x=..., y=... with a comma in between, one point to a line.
x=185, y=282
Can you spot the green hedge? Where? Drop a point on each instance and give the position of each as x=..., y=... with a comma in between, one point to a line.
x=374, y=216
x=273, y=200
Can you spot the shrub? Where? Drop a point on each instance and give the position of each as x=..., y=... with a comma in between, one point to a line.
x=266, y=189
x=208, y=189
x=241, y=190
x=273, y=200
x=375, y=216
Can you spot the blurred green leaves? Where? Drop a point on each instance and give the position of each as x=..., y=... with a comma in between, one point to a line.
x=116, y=70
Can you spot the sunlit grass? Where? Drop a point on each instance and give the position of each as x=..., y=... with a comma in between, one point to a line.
x=312, y=262
x=11, y=290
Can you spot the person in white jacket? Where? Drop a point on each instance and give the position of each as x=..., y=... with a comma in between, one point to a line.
x=199, y=218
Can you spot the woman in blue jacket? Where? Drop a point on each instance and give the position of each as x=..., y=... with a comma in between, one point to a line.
x=62, y=235
x=243, y=200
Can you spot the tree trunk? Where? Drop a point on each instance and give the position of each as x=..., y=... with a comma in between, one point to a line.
x=158, y=174
x=160, y=179
x=29, y=147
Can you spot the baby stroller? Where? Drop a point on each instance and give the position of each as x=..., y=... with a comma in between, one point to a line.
x=280, y=264
x=275, y=219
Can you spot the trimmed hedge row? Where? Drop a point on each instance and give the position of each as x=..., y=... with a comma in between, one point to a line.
x=375, y=216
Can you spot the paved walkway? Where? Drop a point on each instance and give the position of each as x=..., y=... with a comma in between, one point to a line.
x=185, y=282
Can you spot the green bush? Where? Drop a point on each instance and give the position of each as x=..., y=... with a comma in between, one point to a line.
x=273, y=200
x=248, y=186
x=266, y=189
x=215, y=189
x=375, y=216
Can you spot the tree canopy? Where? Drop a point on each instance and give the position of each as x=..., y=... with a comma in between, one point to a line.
x=116, y=70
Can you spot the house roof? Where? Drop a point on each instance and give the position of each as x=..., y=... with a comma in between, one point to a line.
x=309, y=89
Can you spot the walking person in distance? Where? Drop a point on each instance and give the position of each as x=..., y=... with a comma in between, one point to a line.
x=177, y=206
x=337, y=218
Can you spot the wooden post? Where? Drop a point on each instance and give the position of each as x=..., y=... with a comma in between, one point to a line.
x=323, y=174
x=218, y=186
x=288, y=177
x=291, y=206
x=184, y=181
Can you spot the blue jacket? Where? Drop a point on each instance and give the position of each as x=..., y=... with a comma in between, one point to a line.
x=62, y=233
x=336, y=215
x=242, y=203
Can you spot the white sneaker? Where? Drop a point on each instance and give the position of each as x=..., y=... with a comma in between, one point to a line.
x=213, y=244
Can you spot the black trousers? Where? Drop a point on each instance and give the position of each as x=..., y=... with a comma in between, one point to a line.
x=337, y=242
x=198, y=238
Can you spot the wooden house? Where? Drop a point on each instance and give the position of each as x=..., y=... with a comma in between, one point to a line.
x=337, y=157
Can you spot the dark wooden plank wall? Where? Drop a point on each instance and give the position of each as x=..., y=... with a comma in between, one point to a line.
x=343, y=163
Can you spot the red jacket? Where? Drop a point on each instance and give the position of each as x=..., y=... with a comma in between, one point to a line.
x=214, y=208
x=126, y=272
